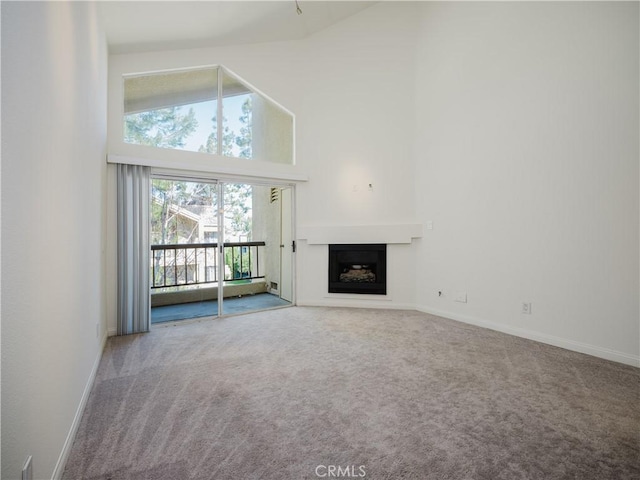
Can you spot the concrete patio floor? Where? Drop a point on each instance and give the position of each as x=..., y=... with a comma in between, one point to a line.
x=231, y=306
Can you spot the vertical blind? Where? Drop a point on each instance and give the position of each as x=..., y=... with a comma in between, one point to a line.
x=134, y=305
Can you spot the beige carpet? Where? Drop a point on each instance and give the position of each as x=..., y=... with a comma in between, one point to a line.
x=291, y=393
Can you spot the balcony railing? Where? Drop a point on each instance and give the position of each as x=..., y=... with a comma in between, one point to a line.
x=197, y=263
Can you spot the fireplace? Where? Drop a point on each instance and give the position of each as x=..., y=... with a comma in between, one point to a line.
x=358, y=268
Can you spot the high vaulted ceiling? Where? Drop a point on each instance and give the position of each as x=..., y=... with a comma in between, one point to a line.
x=137, y=26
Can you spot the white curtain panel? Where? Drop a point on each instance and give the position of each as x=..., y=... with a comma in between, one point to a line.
x=133, y=249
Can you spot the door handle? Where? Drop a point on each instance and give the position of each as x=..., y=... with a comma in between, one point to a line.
x=293, y=246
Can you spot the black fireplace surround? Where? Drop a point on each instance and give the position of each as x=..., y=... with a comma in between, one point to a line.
x=358, y=268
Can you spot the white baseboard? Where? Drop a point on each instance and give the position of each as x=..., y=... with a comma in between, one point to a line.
x=355, y=303
x=600, y=352
x=68, y=443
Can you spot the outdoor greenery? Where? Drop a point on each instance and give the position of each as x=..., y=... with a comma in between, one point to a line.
x=173, y=201
x=229, y=139
x=164, y=128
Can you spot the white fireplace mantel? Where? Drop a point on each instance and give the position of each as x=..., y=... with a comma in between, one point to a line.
x=332, y=234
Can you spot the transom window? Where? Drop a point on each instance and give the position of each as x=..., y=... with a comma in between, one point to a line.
x=181, y=110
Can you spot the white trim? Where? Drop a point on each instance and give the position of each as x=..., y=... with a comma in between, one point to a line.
x=164, y=174
x=71, y=436
x=116, y=114
x=212, y=178
x=270, y=99
x=196, y=162
x=220, y=113
x=220, y=250
x=254, y=89
x=359, y=297
x=595, y=351
x=351, y=303
x=387, y=233
x=169, y=70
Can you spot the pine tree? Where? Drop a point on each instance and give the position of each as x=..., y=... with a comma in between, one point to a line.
x=212, y=139
x=169, y=128
x=245, y=138
x=164, y=128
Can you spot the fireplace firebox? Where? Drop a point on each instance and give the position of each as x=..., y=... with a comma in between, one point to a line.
x=358, y=268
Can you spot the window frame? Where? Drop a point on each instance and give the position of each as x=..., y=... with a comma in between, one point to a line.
x=223, y=75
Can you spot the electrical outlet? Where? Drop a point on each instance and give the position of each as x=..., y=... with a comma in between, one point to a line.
x=27, y=469
x=526, y=308
x=461, y=297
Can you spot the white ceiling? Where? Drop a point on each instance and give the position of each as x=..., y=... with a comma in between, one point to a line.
x=137, y=26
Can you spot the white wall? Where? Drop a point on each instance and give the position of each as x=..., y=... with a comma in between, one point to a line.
x=527, y=164
x=266, y=225
x=351, y=89
x=356, y=128
x=519, y=140
x=513, y=127
x=356, y=119
x=54, y=62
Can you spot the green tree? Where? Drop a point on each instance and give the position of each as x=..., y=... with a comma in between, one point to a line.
x=162, y=194
x=237, y=210
x=168, y=225
x=245, y=138
x=212, y=139
x=237, y=197
x=170, y=128
x=167, y=197
x=165, y=128
x=232, y=141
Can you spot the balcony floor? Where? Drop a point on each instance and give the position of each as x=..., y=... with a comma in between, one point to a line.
x=232, y=305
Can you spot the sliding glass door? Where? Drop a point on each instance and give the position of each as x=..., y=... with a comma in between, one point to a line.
x=252, y=248
x=185, y=231
x=219, y=248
